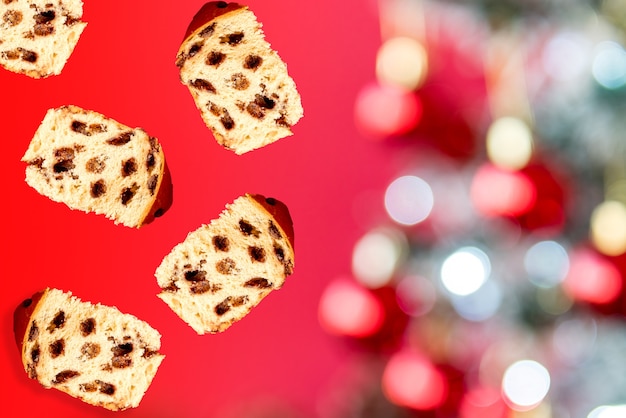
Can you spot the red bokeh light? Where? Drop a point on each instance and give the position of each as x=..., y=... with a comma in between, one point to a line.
x=350, y=310
x=383, y=111
x=411, y=380
x=592, y=278
x=483, y=402
x=497, y=192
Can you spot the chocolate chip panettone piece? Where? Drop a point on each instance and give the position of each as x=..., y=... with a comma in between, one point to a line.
x=95, y=164
x=239, y=84
x=90, y=351
x=37, y=37
x=224, y=269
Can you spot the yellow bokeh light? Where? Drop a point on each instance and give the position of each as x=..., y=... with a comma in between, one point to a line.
x=509, y=143
x=608, y=228
x=402, y=62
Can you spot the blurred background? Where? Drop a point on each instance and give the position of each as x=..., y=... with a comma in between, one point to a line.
x=458, y=188
x=489, y=281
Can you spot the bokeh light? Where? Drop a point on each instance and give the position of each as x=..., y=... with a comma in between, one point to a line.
x=567, y=56
x=574, y=340
x=483, y=402
x=546, y=263
x=376, y=255
x=509, y=143
x=609, y=65
x=409, y=200
x=608, y=411
x=497, y=192
x=479, y=305
x=608, y=228
x=412, y=381
x=402, y=62
x=382, y=111
x=465, y=271
x=348, y=309
x=525, y=384
x=592, y=278
x=416, y=295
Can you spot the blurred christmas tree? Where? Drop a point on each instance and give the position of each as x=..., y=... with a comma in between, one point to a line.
x=490, y=281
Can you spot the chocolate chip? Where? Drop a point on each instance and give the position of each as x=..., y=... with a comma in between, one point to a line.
x=128, y=193
x=280, y=252
x=11, y=54
x=121, y=362
x=98, y=189
x=88, y=387
x=255, y=110
x=227, y=121
x=264, y=101
x=129, y=167
x=273, y=230
x=37, y=162
x=282, y=121
x=43, y=29
x=214, y=109
x=170, y=288
x=106, y=388
x=257, y=254
x=204, y=286
x=12, y=17
x=95, y=165
x=31, y=369
x=223, y=306
x=33, y=333
x=208, y=31
x=248, y=229
x=27, y=55
x=239, y=81
x=90, y=350
x=152, y=184
x=252, y=62
x=221, y=4
x=34, y=354
x=87, y=326
x=215, y=58
x=225, y=266
x=257, y=107
x=240, y=300
x=99, y=385
x=259, y=282
x=270, y=201
x=65, y=160
x=221, y=243
x=121, y=139
x=195, y=48
x=45, y=16
x=79, y=127
x=122, y=349
x=57, y=348
x=159, y=212
x=147, y=353
x=288, y=267
x=201, y=84
x=232, y=38
x=195, y=275
x=57, y=322
x=64, y=376
x=150, y=161
x=71, y=20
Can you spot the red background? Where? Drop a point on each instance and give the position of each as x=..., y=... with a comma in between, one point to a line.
x=123, y=67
